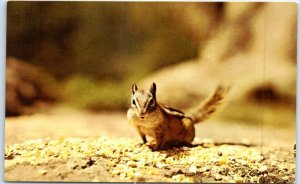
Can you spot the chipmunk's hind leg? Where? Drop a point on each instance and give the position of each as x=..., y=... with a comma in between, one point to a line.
x=189, y=131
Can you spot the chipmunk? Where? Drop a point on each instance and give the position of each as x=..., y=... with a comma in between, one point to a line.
x=168, y=126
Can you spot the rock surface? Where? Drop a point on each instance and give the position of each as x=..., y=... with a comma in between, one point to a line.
x=106, y=159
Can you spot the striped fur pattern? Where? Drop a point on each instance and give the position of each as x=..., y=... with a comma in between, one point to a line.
x=175, y=112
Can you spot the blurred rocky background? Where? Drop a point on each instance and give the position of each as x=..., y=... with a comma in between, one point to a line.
x=87, y=54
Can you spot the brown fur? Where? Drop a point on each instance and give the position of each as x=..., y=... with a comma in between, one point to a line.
x=166, y=125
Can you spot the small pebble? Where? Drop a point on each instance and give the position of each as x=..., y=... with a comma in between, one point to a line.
x=43, y=171
x=218, y=177
x=193, y=169
x=132, y=164
x=263, y=169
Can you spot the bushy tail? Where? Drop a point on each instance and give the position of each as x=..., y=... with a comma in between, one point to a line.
x=210, y=105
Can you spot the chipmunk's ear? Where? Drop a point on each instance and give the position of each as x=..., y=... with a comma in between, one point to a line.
x=134, y=88
x=153, y=90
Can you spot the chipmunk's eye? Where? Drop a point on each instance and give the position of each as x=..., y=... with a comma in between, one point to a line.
x=133, y=102
x=151, y=102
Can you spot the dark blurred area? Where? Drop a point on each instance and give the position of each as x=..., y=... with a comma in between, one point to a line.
x=28, y=88
x=92, y=52
x=100, y=39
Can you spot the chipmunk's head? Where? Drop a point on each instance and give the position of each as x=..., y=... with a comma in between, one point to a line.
x=143, y=101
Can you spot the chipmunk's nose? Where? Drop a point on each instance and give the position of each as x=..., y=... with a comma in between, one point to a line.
x=141, y=116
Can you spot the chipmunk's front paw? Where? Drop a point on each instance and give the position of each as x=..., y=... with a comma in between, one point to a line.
x=151, y=145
